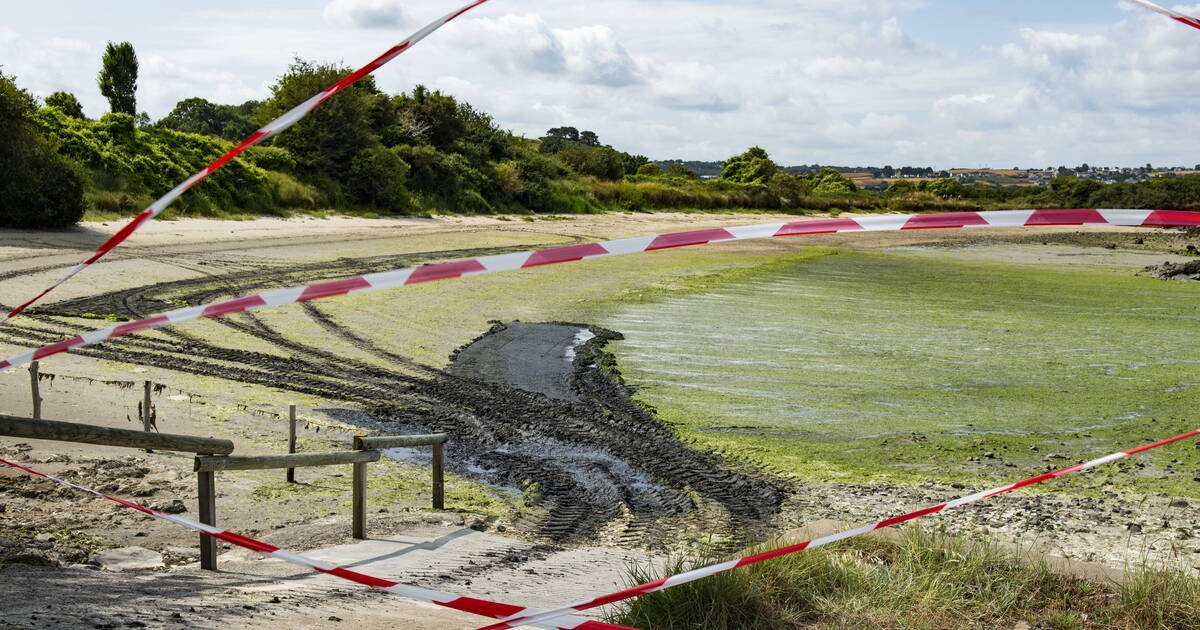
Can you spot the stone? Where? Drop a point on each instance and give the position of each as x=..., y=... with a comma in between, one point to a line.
x=32, y=557
x=130, y=559
x=1180, y=503
x=176, y=506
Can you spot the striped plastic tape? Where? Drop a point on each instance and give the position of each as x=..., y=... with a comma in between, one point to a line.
x=691, y=576
x=271, y=129
x=590, y=251
x=290, y=118
x=1174, y=15
x=480, y=607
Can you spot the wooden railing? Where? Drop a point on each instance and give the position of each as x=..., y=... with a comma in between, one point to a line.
x=213, y=455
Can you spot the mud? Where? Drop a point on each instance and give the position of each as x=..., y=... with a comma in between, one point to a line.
x=595, y=467
x=1187, y=271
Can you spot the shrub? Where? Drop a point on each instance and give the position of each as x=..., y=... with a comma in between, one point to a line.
x=66, y=102
x=38, y=187
x=650, y=168
x=376, y=178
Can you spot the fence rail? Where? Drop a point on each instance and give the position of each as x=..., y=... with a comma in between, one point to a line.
x=213, y=455
x=269, y=462
x=399, y=441
x=359, y=483
x=33, y=429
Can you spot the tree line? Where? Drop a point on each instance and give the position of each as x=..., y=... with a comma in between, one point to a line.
x=418, y=152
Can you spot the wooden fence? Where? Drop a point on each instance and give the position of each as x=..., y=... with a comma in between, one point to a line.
x=213, y=455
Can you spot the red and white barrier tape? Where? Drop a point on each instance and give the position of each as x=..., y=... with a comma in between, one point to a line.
x=1174, y=15
x=480, y=607
x=300, y=111
x=691, y=576
x=271, y=129
x=523, y=260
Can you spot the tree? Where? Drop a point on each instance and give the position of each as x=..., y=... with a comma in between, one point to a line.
x=194, y=115
x=565, y=133
x=589, y=138
x=831, y=182
x=601, y=162
x=67, y=103
x=679, y=170
x=118, y=78
x=791, y=189
x=436, y=113
x=900, y=187
x=327, y=142
x=888, y=171
x=38, y=187
x=651, y=169
x=752, y=167
x=946, y=188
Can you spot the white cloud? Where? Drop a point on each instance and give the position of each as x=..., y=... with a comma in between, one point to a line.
x=1053, y=51
x=865, y=82
x=894, y=34
x=841, y=67
x=519, y=44
x=366, y=13
x=595, y=56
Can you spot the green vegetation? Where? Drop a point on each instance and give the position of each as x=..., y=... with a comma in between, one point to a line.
x=368, y=153
x=198, y=116
x=922, y=581
x=118, y=78
x=38, y=187
x=897, y=368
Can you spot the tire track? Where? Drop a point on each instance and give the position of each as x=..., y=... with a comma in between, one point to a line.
x=596, y=465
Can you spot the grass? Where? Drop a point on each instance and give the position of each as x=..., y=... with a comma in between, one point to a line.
x=390, y=483
x=894, y=368
x=920, y=580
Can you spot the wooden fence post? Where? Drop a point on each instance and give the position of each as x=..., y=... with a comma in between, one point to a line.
x=359, y=484
x=439, y=481
x=146, y=408
x=37, y=396
x=291, y=472
x=207, y=486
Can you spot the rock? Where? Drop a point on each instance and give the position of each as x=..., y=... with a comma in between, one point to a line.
x=1180, y=503
x=32, y=557
x=44, y=537
x=176, y=506
x=130, y=559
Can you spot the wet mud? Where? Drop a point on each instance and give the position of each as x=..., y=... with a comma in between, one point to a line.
x=594, y=466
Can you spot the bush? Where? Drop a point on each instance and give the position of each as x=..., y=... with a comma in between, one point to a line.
x=271, y=158
x=376, y=178
x=67, y=103
x=150, y=161
x=650, y=168
x=38, y=187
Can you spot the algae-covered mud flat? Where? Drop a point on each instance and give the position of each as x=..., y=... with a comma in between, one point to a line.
x=901, y=366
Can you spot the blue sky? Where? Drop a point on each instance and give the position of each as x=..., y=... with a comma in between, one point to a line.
x=930, y=82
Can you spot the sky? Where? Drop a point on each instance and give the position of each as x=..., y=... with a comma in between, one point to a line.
x=942, y=83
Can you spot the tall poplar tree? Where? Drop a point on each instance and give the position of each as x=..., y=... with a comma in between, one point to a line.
x=118, y=78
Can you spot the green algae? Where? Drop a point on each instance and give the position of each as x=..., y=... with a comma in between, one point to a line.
x=896, y=367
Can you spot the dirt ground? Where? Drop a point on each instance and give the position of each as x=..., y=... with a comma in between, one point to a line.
x=570, y=462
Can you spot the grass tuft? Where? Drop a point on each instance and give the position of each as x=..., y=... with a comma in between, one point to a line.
x=919, y=580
